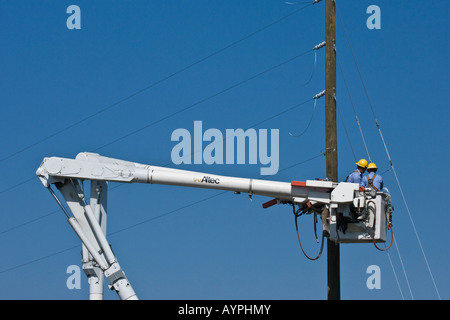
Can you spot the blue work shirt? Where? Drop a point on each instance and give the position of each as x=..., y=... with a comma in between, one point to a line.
x=355, y=177
x=377, y=182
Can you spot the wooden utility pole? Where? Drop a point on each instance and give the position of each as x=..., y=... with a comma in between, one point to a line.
x=333, y=259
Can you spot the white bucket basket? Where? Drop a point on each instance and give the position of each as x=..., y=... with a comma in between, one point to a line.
x=353, y=224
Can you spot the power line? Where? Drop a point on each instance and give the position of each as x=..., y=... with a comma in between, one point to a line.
x=403, y=269
x=309, y=123
x=204, y=100
x=165, y=165
x=313, y=71
x=395, y=274
x=346, y=132
x=390, y=160
x=353, y=107
x=367, y=150
x=18, y=184
x=232, y=44
x=181, y=110
x=151, y=219
x=29, y=222
x=38, y=259
x=41, y=217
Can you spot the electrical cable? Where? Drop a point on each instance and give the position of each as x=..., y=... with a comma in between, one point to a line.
x=43, y=216
x=346, y=132
x=373, y=227
x=353, y=107
x=403, y=269
x=145, y=89
x=182, y=110
x=309, y=123
x=232, y=44
x=313, y=72
x=297, y=214
x=18, y=184
x=252, y=126
x=165, y=165
x=389, y=158
x=202, y=100
x=395, y=275
x=152, y=219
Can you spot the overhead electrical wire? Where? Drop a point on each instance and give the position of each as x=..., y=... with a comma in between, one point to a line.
x=41, y=217
x=389, y=157
x=181, y=110
x=368, y=155
x=165, y=165
x=317, y=47
x=395, y=274
x=346, y=132
x=403, y=269
x=353, y=107
x=309, y=123
x=204, y=100
x=145, y=89
x=108, y=107
x=321, y=154
x=18, y=184
x=313, y=71
x=148, y=220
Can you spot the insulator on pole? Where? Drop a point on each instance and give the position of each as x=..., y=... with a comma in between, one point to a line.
x=321, y=94
x=320, y=45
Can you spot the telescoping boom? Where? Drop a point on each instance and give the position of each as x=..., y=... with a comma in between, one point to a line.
x=353, y=214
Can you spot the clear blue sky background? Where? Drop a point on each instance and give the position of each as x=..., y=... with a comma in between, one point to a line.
x=227, y=247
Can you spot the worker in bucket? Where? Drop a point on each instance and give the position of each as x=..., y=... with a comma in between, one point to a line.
x=356, y=176
x=372, y=179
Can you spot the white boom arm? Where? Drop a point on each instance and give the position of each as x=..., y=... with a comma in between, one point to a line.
x=89, y=166
x=65, y=173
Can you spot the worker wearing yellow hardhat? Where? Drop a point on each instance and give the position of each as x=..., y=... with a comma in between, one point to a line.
x=362, y=163
x=372, y=179
x=356, y=176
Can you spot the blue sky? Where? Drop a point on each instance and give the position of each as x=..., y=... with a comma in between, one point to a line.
x=226, y=247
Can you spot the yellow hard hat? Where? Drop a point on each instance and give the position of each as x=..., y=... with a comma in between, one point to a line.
x=362, y=163
x=372, y=166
